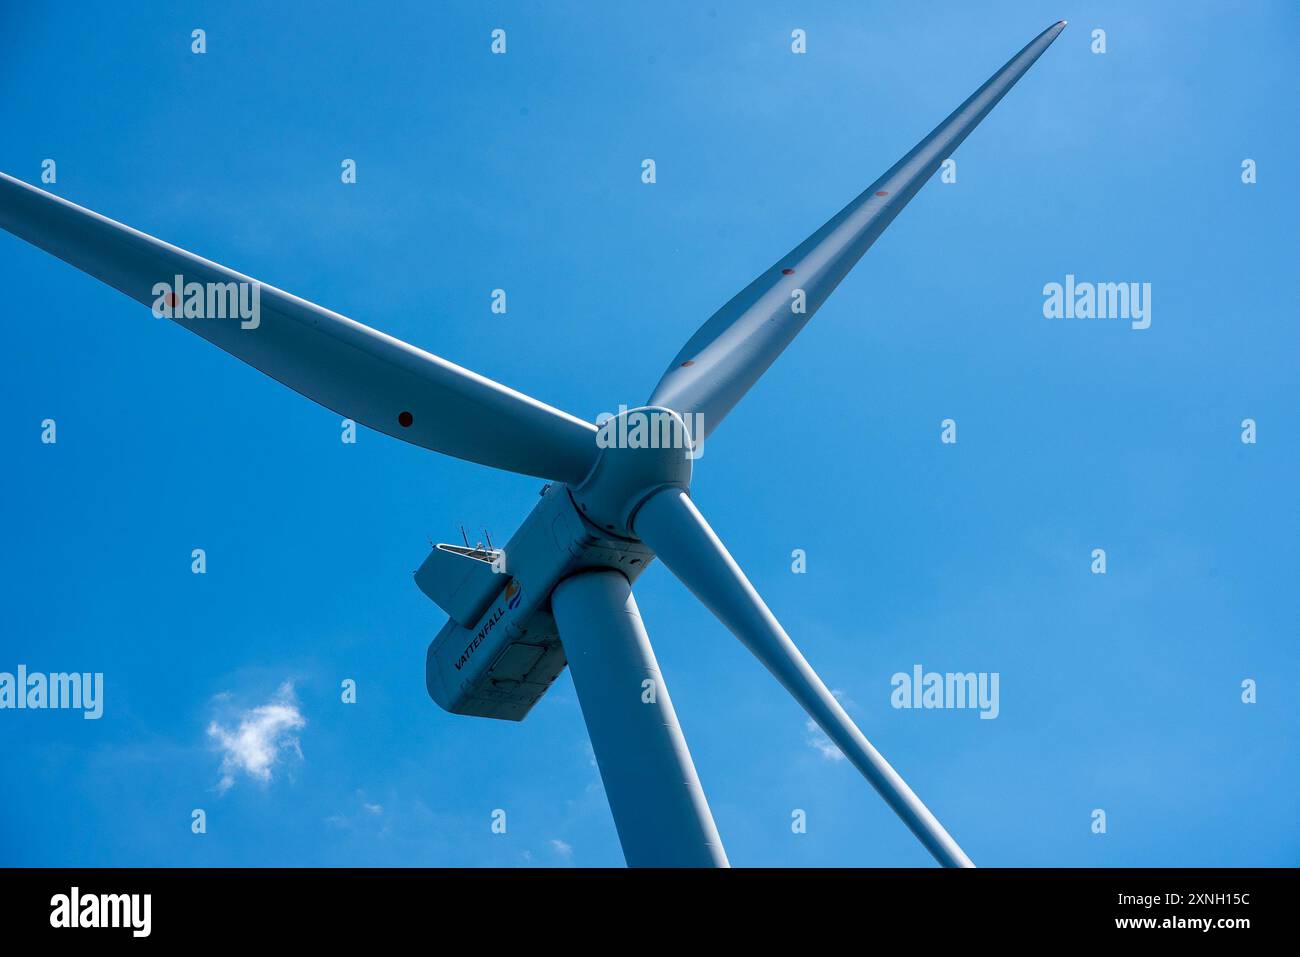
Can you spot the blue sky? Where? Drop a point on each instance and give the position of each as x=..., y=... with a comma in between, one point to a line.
x=1120, y=692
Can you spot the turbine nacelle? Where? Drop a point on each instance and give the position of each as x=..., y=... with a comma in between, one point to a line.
x=642, y=451
x=500, y=651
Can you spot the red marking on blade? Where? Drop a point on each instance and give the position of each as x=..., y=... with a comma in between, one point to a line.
x=404, y=419
x=881, y=192
x=787, y=272
x=688, y=362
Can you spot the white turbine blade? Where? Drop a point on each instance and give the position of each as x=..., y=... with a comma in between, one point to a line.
x=354, y=370
x=735, y=347
x=659, y=808
x=670, y=524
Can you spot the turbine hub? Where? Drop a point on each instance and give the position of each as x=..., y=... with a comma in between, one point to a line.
x=641, y=451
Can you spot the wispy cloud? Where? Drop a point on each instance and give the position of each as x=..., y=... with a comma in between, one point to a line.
x=817, y=739
x=365, y=814
x=561, y=848
x=259, y=738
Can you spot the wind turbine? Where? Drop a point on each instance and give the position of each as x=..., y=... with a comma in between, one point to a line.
x=561, y=589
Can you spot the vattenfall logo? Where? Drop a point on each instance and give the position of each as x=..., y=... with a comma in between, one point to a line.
x=74, y=909
x=488, y=623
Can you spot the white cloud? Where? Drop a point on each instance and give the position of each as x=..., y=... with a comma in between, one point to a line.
x=818, y=741
x=561, y=848
x=365, y=815
x=259, y=739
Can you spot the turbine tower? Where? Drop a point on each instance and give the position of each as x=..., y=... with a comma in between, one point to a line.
x=560, y=592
